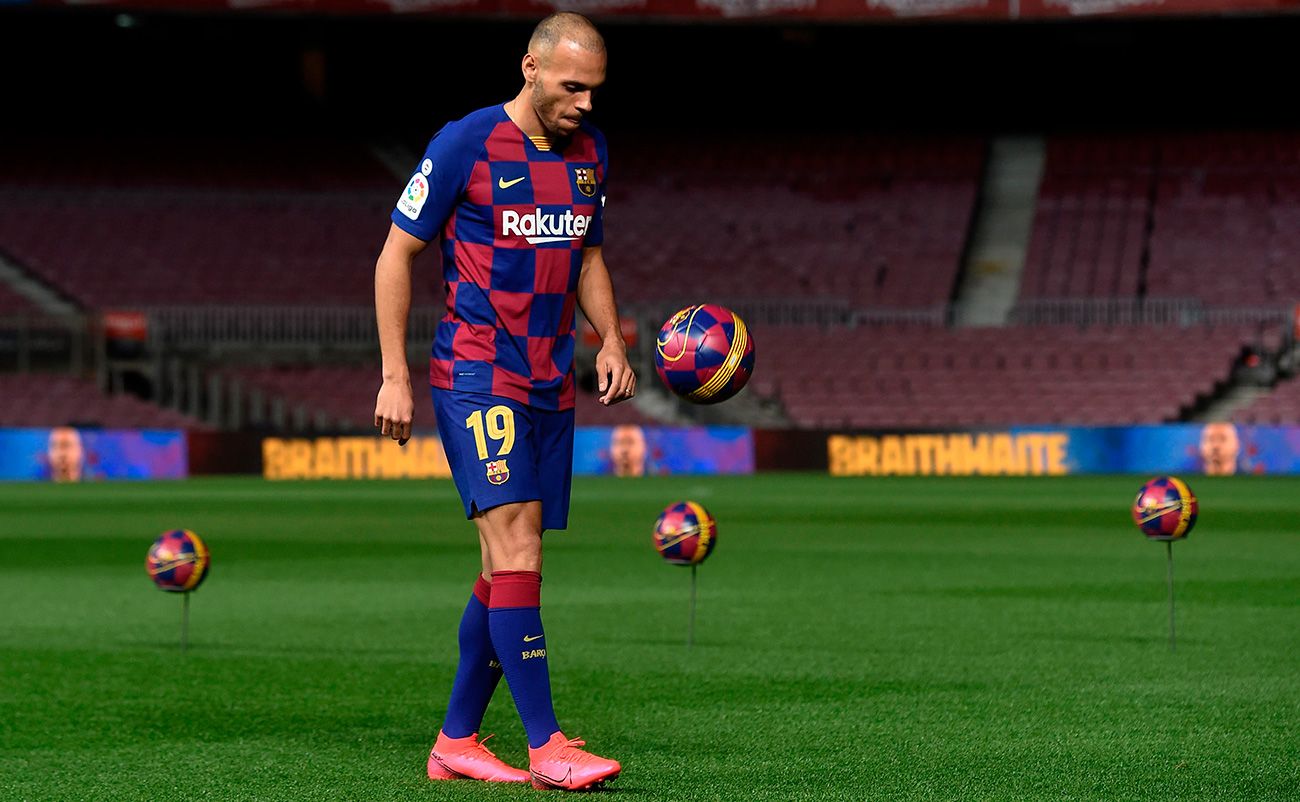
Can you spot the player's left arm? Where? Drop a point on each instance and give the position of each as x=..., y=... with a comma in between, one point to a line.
x=615, y=377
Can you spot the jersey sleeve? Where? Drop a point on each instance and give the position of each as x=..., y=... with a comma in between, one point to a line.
x=596, y=229
x=435, y=187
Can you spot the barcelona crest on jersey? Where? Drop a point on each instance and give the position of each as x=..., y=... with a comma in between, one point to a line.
x=585, y=177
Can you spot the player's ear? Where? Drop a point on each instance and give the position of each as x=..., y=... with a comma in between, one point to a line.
x=530, y=68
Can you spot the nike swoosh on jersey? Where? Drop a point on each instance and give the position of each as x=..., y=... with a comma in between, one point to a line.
x=531, y=638
x=504, y=184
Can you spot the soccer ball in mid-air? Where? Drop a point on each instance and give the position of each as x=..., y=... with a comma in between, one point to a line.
x=685, y=533
x=1165, y=509
x=178, y=561
x=704, y=353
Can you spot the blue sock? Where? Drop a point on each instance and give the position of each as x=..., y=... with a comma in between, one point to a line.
x=515, y=620
x=479, y=671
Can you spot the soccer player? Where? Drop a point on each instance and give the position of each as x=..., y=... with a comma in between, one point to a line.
x=517, y=193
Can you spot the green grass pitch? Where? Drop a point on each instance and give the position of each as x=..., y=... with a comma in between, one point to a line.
x=951, y=639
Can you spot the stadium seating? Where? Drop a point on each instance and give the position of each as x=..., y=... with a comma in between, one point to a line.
x=1090, y=220
x=204, y=222
x=337, y=396
x=35, y=399
x=1228, y=230
x=305, y=162
x=876, y=222
x=1278, y=407
x=881, y=222
x=162, y=248
x=887, y=377
x=1218, y=216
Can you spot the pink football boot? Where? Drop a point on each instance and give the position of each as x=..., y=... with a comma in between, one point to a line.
x=560, y=765
x=467, y=759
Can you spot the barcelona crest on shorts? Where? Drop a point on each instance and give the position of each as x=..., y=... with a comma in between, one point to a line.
x=497, y=472
x=585, y=177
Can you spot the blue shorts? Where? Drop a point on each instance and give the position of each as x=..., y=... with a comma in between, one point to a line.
x=501, y=451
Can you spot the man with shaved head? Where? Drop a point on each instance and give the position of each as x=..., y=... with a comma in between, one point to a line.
x=517, y=192
x=1220, y=447
x=66, y=454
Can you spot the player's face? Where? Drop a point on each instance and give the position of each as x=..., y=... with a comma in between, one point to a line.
x=563, y=86
x=627, y=450
x=65, y=454
x=1219, y=448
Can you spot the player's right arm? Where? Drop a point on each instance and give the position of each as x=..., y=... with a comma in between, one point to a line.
x=423, y=207
x=395, y=406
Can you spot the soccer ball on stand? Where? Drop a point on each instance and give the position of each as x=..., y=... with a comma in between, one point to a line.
x=178, y=561
x=704, y=354
x=685, y=533
x=1165, y=509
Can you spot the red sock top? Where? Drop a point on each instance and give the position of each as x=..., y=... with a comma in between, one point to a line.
x=516, y=589
x=482, y=590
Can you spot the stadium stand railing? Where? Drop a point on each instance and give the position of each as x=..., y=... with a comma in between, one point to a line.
x=233, y=327
x=341, y=398
x=1143, y=312
x=36, y=340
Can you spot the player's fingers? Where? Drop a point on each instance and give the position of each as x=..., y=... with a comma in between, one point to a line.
x=382, y=422
x=621, y=392
x=616, y=375
x=406, y=433
x=629, y=383
x=602, y=375
x=602, y=381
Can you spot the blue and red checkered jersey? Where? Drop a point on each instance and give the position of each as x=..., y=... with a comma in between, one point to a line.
x=514, y=214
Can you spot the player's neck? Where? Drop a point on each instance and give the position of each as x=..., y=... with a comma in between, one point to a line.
x=521, y=113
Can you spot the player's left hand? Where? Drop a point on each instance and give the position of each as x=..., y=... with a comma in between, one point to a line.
x=615, y=378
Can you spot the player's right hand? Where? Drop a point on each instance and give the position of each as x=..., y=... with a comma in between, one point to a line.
x=394, y=409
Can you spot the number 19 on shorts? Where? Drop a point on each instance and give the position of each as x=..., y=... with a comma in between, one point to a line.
x=497, y=424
